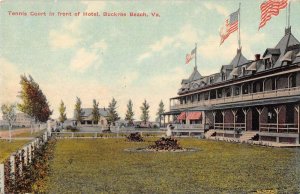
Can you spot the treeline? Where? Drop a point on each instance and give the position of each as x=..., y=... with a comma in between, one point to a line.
x=112, y=115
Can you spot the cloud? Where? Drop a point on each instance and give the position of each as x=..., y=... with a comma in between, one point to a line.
x=144, y=55
x=93, y=6
x=102, y=45
x=216, y=7
x=67, y=88
x=217, y=55
x=61, y=40
x=161, y=44
x=84, y=59
x=187, y=35
x=69, y=35
x=9, y=81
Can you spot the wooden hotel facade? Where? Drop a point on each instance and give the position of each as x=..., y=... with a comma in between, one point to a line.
x=247, y=99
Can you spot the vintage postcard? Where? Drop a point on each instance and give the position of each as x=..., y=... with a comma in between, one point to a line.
x=127, y=96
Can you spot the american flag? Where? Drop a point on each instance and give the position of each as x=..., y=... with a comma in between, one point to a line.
x=231, y=25
x=189, y=57
x=270, y=8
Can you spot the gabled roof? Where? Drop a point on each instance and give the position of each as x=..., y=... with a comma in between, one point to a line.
x=226, y=67
x=239, y=59
x=287, y=41
x=272, y=51
x=195, y=75
x=88, y=111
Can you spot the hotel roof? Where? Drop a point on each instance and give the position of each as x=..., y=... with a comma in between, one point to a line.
x=285, y=52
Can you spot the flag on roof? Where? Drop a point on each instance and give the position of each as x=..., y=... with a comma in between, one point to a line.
x=231, y=25
x=270, y=8
x=189, y=57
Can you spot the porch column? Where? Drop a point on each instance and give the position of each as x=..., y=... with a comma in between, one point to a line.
x=234, y=114
x=223, y=113
x=298, y=119
x=159, y=120
x=277, y=110
x=259, y=112
x=245, y=113
x=241, y=89
x=264, y=84
x=164, y=120
x=168, y=119
x=214, y=114
x=289, y=77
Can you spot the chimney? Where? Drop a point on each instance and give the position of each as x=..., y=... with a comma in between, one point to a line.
x=257, y=57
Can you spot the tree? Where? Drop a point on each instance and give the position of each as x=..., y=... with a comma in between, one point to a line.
x=62, y=112
x=34, y=102
x=145, y=112
x=78, y=110
x=129, y=114
x=95, y=112
x=9, y=115
x=161, y=110
x=112, y=113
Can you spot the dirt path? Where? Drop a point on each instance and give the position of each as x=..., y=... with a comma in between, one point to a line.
x=5, y=134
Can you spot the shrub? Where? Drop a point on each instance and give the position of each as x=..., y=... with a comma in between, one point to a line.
x=71, y=128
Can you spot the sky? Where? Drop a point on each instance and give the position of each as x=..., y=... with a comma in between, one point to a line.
x=126, y=58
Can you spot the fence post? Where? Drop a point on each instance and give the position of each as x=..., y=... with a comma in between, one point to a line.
x=25, y=155
x=29, y=154
x=2, y=178
x=20, y=170
x=12, y=167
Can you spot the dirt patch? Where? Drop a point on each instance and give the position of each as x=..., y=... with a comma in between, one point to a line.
x=5, y=134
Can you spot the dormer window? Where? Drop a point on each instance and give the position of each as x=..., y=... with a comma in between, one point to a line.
x=243, y=70
x=223, y=76
x=234, y=73
x=211, y=80
x=268, y=63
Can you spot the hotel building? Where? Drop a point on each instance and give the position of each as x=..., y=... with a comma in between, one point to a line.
x=255, y=99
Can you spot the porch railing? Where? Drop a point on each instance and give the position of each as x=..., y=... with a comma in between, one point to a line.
x=188, y=126
x=242, y=97
x=230, y=126
x=280, y=128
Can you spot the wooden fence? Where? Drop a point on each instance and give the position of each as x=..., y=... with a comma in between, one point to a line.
x=12, y=169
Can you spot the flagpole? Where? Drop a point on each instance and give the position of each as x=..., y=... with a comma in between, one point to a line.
x=239, y=34
x=289, y=16
x=196, y=55
x=286, y=17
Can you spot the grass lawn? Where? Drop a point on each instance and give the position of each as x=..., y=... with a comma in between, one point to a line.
x=6, y=148
x=101, y=165
x=28, y=133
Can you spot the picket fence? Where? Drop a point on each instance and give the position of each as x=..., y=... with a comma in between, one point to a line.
x=12, y=168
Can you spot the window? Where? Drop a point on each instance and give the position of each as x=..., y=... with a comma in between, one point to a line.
x=219, y=91
x=237, y=91
x=268, y=63
x=243, y=70
x=228, y=92
x=211, y=80
x=223, y=76
x=206, y=96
